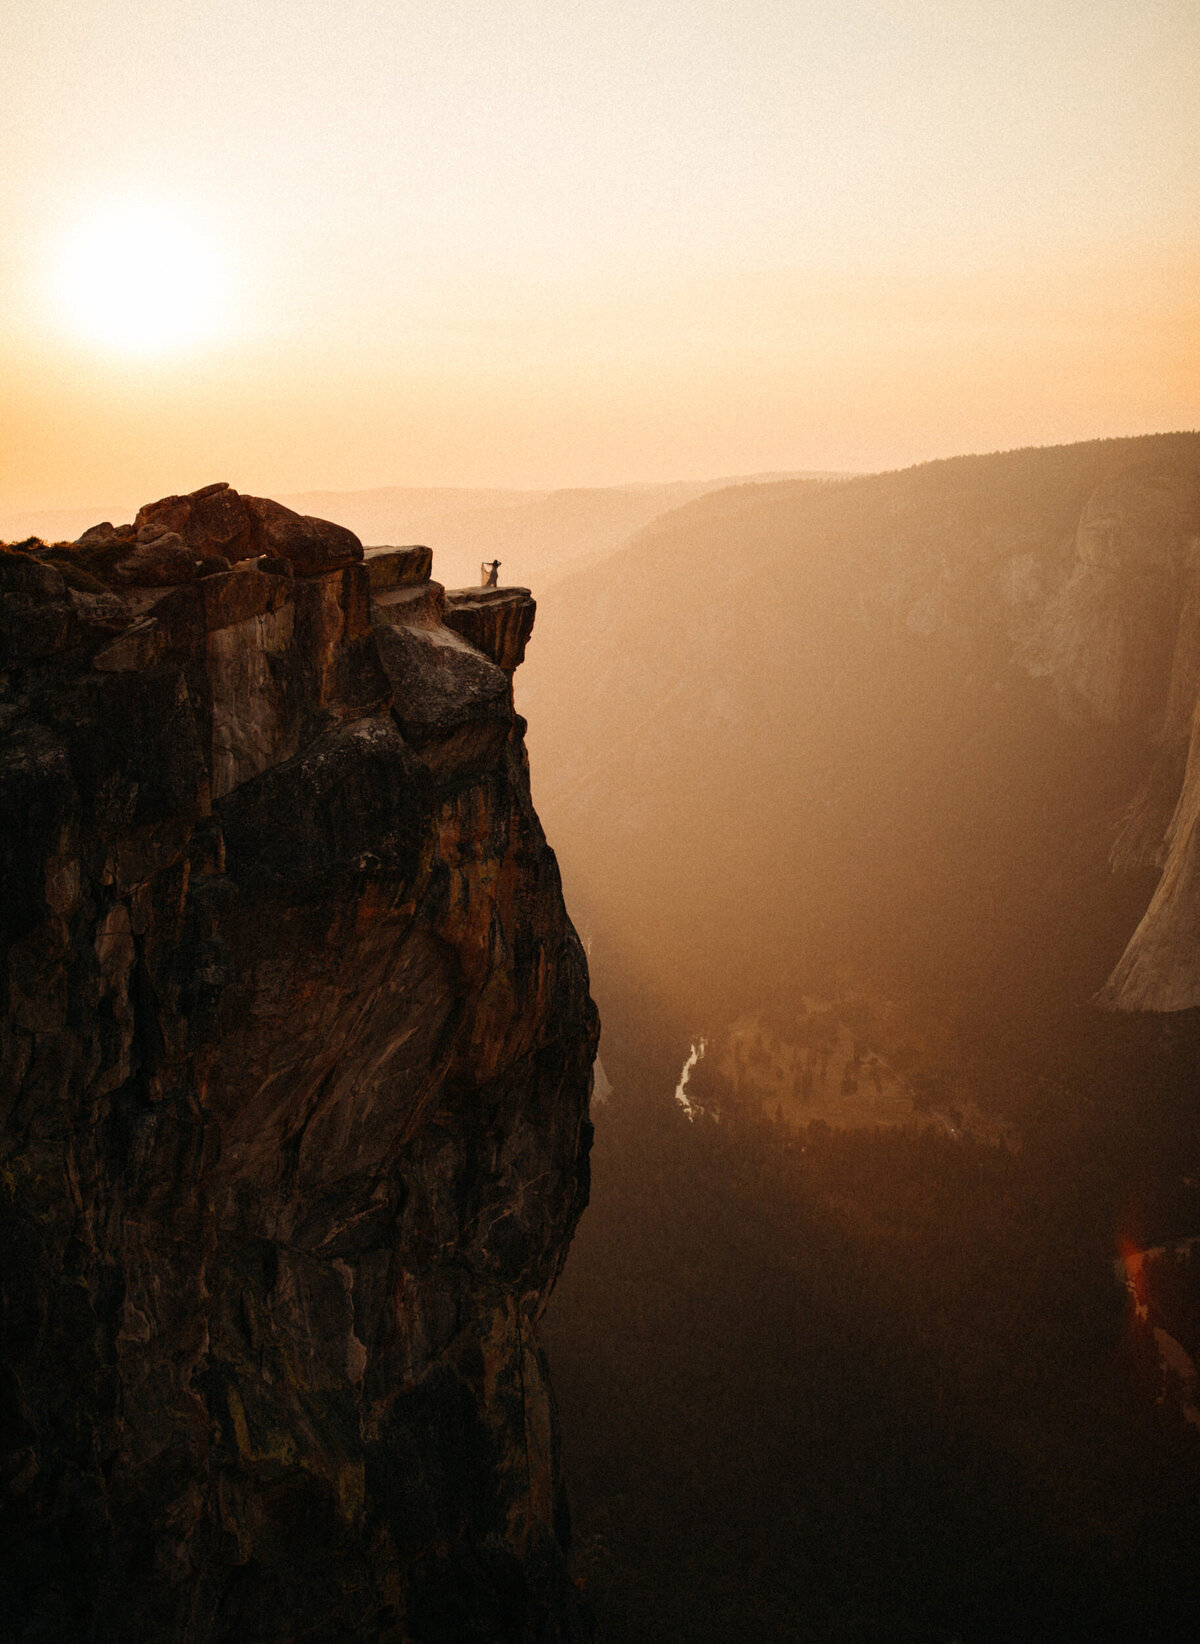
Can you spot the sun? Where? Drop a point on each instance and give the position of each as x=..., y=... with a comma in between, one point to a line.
x=142, y=280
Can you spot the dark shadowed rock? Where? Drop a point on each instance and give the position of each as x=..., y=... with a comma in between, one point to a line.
x=235, y=596
x=157, y=559
x=274, y=567
x=160, y=561
x=145, y=644
x=294, y=1068
x=24, y=577
x=36, y=617
x=219, y=521
x=73, y=571
x=309, y=545
x=452, y=703
x=213, y=520
x=104, y=532
x=99, y=612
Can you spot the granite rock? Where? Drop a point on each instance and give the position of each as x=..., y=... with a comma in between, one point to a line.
x=399, y=567
x=497, y=621
x=294, y=1067
x=219, y=522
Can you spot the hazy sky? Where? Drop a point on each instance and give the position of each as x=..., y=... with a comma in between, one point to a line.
x=508, y=242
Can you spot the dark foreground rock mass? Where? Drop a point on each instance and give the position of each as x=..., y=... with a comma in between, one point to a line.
x=296, y=1054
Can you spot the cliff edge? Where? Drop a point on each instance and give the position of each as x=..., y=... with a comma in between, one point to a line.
x=296, y=1055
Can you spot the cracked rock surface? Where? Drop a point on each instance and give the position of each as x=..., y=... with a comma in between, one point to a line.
x=294, y=1071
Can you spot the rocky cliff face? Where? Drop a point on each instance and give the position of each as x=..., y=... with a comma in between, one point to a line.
x=1121, y=639
x=930, y=728
x=296, y=1055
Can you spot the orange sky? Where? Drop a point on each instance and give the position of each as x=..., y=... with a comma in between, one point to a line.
x=500, y=242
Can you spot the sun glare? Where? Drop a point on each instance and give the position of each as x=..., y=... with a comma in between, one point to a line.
x=141, y=280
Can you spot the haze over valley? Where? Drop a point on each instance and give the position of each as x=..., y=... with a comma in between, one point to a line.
x=600, y=822
x=538, y=534
x=874, y=801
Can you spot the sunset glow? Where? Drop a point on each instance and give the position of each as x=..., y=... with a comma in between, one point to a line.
x=140, y=280
x=534, y=531
x=537, y=246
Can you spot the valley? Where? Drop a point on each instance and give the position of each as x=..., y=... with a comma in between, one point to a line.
x=876, y=804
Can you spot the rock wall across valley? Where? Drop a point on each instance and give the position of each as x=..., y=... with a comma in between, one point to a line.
x=935, y=730
x=294, y=1071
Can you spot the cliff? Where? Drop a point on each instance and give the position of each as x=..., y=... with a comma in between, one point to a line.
x=1122, y=638
x=928, y=731
x=296, y=1055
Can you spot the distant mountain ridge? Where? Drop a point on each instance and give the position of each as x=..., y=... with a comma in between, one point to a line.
x=900, y=723
x=536, y=534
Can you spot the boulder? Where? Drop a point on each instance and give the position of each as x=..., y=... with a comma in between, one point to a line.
x=161, y=562
x=452, y=704
x=105, y=532
x=213, y=520
x=71, y=567
x=218, y=523
x=30, y=580
x=36, y=618
x=310, y=545
x=390, y=568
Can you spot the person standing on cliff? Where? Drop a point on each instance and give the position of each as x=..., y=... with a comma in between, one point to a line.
x=488, y=573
